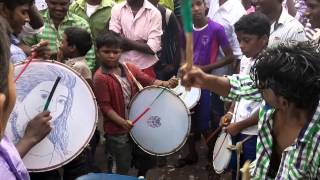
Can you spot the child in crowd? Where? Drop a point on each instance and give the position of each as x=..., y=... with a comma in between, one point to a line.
x=253, y=32
x=75, y=44
x=115, y=85
x=208, y=37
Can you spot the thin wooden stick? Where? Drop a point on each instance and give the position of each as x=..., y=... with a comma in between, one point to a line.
x=189, y=50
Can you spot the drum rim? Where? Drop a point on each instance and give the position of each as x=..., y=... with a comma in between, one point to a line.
x=95, y=123
x=228, y=137
x=198, y=97
x=189, y=124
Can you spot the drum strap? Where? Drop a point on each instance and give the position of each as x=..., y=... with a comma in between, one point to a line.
x=238, y=149
x=140, y=87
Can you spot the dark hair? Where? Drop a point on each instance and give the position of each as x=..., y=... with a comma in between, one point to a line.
x=12, y=4
x=4, y=55
x=4, y=65
x=291, y=71
x=254, y=24
x=80, y=38
x=109, y=39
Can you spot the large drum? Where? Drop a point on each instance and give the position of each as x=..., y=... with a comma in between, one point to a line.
x=221, y=153
x=190, y=98
x=73, y=109
x=163, y=129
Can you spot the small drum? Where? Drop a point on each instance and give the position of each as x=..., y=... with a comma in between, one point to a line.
x=190, y=98
x=164, y=129
x=73, y=109
x=221, y=153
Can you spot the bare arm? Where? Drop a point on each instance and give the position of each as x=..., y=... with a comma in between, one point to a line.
x=114, y=117
x=38, y=128
x=197, y=78
x=236, y=128
x=229, y=58
x=36, y=20
x=251, y=121
x=137, y=45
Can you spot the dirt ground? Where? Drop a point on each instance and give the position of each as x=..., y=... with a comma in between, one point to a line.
x=197, y=171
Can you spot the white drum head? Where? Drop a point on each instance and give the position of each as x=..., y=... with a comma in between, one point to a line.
x=222, y=155
x=190, y=98
x=73, y=109
x=164, y=129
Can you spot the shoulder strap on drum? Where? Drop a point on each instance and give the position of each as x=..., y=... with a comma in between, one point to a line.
x=140, y=87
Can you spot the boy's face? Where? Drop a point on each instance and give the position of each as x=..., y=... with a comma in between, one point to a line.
x=251, y=45
x=65, y=49
x=198, y=10
x=109, y=56
x=18, y=17
x=313, y=12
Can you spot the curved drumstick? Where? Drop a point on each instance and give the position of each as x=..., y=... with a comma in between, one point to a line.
x=214, y=158
x=147, y=109
x=213, y=134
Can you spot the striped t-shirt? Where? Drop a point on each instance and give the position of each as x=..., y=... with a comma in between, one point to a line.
x=301, y=160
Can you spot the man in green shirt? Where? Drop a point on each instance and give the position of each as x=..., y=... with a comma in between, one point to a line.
x=56, y=20
x=288, y=80
x=96, y=12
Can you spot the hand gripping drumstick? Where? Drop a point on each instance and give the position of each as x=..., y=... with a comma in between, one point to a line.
x=148, y=108
x=30, y=58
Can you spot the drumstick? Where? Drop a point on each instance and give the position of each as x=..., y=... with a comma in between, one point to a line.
x=148, y=108
x=33, y=55
x=220, y=147
x=30, y=58
x=51, y=93
x=213, y=134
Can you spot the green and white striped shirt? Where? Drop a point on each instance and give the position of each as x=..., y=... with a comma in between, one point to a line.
x=301, y=160
x=54, y=36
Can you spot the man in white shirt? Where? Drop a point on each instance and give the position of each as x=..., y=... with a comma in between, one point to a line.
x=284, y=27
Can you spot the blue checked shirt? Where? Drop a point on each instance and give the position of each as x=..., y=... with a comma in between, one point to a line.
x=16, y=53
x=301, y=160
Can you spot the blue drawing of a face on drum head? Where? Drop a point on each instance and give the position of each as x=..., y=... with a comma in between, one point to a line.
x=33, y=88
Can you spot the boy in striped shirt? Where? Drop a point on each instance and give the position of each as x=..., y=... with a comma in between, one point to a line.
x=288, y=80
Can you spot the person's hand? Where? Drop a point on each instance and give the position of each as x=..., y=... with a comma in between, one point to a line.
x=192, y=77
x=225, y=119
x=60, y=55
x=126, y=124
x=41, y=50
x=233, y=129
x=38, y=128
x=173, y=82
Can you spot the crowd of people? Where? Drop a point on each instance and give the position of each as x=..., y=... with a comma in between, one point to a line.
x=257, y=63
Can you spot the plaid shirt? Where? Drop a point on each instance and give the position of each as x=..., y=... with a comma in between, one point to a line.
x=301, y=160
x=54, y=36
